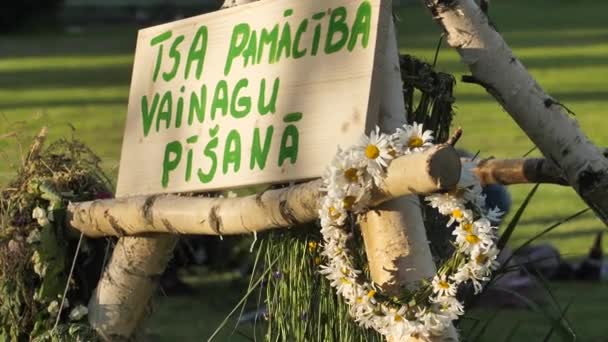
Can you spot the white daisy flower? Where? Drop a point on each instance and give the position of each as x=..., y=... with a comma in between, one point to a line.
x=484, y=226
x=449, y=307
x=53, y=308
x=363, y=305
x=40, y=216
x=459, y=214
x=442, y=286
x=483, y=261
x=468, y=242
x=78, y=313
x=466, y=273
x=332, y=212
x=376, y=151
x=414, y=139
x=348, y=169
x=434, y=322
x=397, y=325
x=444, y=203
x=353, y=198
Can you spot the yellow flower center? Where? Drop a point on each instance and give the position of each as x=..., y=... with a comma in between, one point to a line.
x=344, y=280
x=457, y=214
x=415, y=141
x=472, y=239
x=444, y=284
x=481, y=259
x=467, y=227
x=348, y=202
x=372, y=152
x=351, y=175
x=312, y=246
x=371, y=293
x=359, y=300
x=398, y=318
x=333, y=213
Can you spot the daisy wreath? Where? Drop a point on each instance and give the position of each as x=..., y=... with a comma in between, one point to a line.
x=430, y=309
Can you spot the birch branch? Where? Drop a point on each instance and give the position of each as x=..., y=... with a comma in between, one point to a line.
x=280, y=208
x=494, y=66
x=435, y=169
x=519, y=171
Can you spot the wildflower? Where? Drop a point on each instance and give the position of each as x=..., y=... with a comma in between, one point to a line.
x=413, y=139
x=78, y=312
x=40, y=216
x=442, y=286
x=376, y=151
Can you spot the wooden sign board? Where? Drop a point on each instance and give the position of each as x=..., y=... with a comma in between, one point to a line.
x=261, y=93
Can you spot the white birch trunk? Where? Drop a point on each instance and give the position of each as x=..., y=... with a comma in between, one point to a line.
x=395, y=238
x=121, y=300
x=494, y=66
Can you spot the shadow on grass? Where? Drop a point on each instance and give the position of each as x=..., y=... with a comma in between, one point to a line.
x=61, y=78
x=94, y=41
x=563, y=97
x=84, y=102
x=520, y=38
x=195, y=317
x=538, y=63
x=579, y=232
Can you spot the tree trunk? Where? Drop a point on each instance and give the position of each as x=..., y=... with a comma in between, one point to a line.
x=395, y=239
x=494, y=66
x=121, y=300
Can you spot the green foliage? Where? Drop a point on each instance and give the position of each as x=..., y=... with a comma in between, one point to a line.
x=36, y=252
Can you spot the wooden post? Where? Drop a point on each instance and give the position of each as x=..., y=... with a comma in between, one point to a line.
x=394, y=234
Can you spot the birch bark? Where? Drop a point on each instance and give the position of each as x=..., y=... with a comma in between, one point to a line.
x=435, y=169
x=495, y=67
x=395, y=238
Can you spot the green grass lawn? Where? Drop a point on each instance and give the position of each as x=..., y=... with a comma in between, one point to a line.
x=195, y=318
x=81, y=81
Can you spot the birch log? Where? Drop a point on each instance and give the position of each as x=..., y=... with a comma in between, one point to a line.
x=121, y=300
x=435, y=169
x=519, y=171
x=431, y=171
x=394, y=235
x=118, y=304
x=494, y=66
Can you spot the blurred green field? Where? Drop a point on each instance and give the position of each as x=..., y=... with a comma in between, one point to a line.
x=78, y=83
